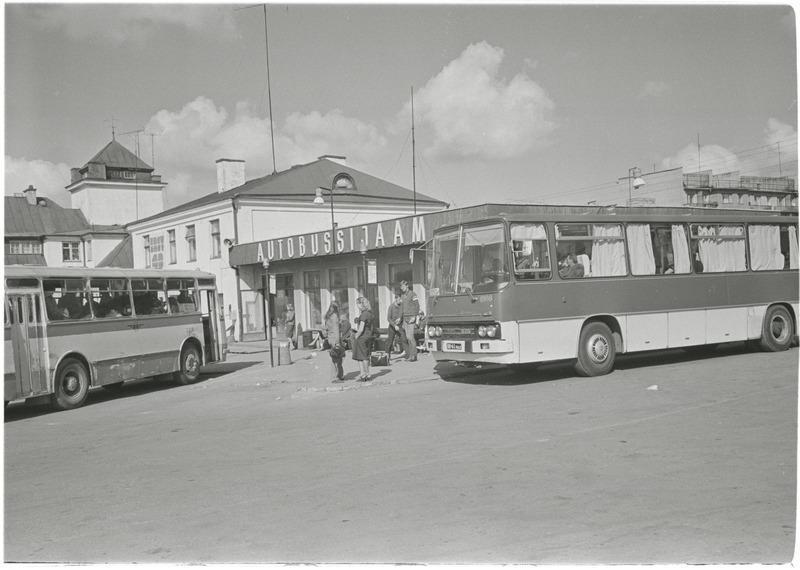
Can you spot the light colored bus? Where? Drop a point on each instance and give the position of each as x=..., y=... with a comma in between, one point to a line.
x=512, y=284
x=69, y=329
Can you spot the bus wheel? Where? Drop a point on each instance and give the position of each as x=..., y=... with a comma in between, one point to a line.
x=596, y=350
x=190, y=366
x=777, y=331
x=72, y=385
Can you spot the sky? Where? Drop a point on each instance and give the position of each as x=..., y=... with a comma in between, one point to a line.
x=520, y=102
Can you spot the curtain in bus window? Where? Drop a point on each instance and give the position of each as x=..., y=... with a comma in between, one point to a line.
x=718, y=255
x=765, y=248
x=792, y=247
x=640, y=246
x=680, y=249
x=608, y=255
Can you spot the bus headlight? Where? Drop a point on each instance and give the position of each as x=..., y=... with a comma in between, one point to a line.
x=438, y=331
x=491, y=331
x=481, y=331
x=431, y=331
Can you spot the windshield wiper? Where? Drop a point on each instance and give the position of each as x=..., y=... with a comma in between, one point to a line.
x=472, y=297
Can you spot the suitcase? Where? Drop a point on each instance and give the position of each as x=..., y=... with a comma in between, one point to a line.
x=379, y=358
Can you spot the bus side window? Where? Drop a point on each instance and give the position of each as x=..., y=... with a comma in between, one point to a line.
x=718, y=248
x=530, y=252
x=181, y=295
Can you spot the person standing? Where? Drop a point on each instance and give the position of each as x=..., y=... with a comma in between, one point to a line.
x=395, y=318
x=362, y=343
x=410, y=311
x=336, y=350
x=290, y=323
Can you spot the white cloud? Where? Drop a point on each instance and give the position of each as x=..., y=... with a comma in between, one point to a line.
x=136, y=23
x=654, y=89
x=48, y=178
x=757, y=161
x=475, y=113
x=191, y=140
x=714, y=157
x=777, y=132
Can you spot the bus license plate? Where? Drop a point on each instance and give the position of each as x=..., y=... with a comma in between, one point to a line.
x=453, y=346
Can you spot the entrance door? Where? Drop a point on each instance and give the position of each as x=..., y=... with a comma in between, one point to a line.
x=28, y=344
x=213, y=325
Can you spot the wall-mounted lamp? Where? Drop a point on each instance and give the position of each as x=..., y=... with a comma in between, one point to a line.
x=229, y=243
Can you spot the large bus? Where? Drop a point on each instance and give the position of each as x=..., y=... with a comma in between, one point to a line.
x=69, y=329
x=519, y=285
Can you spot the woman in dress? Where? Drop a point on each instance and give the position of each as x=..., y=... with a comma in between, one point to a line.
x=362, y=345
x=336, y=351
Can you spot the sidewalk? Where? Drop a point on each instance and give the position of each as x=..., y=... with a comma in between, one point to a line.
x=310, y=371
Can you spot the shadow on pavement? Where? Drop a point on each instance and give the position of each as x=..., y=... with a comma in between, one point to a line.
x=514, y=375
x=131, y=388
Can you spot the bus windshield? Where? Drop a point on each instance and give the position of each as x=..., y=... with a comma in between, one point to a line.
x=470, y=260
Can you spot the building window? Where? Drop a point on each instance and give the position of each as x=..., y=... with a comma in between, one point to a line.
x=146, y=251
x=24, y=247
x=743, y=199
x=215, y=241
x=70, y=251
x=311, y=283
x=338, y=289
x=191, y=243
x=726, y=198
x=173, y=247
x=130, y=175
x=157, y=252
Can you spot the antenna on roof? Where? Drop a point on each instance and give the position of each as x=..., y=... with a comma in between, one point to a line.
x=153, y=148
x=269, y=87
x=135, y=177
x=413, y=154
x=113, y=131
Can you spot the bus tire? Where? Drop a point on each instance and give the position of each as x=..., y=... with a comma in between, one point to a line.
x=189, y=372
x=71, y=385
x=777, y=330
x=596, y=350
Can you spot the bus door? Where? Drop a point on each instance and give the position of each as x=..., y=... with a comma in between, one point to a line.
x=213, y=324
x=28, y=343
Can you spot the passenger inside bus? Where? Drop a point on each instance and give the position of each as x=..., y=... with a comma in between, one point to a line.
x=54, y=312
x=570, y=268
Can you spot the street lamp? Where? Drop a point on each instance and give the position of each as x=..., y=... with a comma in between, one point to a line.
x=634, y=174
x=342, y=180
x=267, y=324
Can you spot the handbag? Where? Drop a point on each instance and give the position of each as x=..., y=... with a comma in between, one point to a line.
x=337, y=351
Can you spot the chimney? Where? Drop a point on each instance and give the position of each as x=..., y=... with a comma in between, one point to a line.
x=230, y=174
x=30, y=194
x=341, y=160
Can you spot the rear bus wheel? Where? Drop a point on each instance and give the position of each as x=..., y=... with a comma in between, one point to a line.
x=596, y=350
x=71, y=386
x=189, y=372
x=777, y=330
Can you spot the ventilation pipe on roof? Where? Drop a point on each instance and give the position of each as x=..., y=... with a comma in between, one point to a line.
x=230, y=174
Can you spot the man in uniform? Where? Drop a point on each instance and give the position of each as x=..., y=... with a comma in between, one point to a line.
x=410, y=310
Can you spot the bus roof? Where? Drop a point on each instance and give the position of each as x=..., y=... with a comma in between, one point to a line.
x=99, y=272
x=555, y=213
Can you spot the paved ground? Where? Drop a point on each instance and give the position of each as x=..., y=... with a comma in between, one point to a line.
x=671, y=458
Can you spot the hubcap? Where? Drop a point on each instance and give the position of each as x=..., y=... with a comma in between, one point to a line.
x=598, y=348
x=71, y=384
x=779, y=329
x=192, y=364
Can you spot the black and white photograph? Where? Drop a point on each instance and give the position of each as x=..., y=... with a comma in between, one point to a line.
x=370, y=283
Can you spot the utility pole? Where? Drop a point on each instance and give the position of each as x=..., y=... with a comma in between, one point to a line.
x=413, y=154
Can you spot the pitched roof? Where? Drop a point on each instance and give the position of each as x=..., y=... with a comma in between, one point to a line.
x=24, y=219
x=25, y=259
x=48, y=218
x=117, y=156
x=120, y=256
x=300, y=183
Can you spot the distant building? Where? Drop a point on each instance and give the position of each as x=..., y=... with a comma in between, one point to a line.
x=40, y=232
x=116, y=187
x=675, y=187
x=198, y=234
